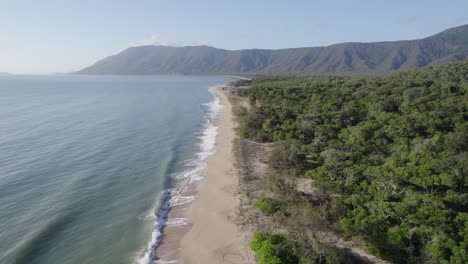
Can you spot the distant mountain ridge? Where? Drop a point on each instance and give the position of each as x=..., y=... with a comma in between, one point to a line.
x=344, y=58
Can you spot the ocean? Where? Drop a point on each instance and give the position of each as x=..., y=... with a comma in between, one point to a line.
x=89, y=164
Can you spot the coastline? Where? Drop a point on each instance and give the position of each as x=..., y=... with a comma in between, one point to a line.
x=238, y=77
x=214, y=237
x=202, y=229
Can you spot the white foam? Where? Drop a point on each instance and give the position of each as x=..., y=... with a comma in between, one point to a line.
x=160, y=219
x=181, y=200
x=163, y=261
x=178, y=222
x=173, y=197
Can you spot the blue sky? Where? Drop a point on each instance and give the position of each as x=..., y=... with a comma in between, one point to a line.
x=64, y=35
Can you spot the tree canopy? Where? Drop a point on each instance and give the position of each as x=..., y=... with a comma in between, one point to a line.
x=393, y=148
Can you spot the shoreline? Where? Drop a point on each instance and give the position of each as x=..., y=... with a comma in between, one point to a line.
x=238, y=77
x=202, y=230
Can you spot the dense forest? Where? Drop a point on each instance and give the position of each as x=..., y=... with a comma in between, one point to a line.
x=387, y=154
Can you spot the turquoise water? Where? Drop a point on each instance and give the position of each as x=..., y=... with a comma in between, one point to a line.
x=85, y=160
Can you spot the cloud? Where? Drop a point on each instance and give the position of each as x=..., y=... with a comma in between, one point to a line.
x=157, y=40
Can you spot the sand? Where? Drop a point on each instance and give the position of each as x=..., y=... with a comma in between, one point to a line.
x=208, y=233
x=213, y=237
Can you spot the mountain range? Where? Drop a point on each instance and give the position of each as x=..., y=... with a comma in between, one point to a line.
x=344, y=58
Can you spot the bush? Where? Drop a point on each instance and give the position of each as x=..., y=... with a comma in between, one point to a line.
x=287, y=154
x=372, y=250
x=267, y=205
x=272, y=249
x=242, y=92
x=279, y=248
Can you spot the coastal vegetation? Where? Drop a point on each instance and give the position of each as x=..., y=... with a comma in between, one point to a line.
x=385, y=158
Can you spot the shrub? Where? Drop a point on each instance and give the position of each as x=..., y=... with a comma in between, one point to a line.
x=271, y=249
x=267, y=205
x=287, y=154
x=372, y=250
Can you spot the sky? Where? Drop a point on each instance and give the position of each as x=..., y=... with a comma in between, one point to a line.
x=50, y=36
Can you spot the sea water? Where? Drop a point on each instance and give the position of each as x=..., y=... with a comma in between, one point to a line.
x=89, y=164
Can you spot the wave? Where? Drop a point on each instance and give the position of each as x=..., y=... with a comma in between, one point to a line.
x=174, y=196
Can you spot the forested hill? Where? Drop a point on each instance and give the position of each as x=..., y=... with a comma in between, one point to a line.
x=389, y=154
x=345, y=58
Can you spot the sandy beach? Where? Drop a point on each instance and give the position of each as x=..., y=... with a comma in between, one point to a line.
x=213, y=237
x=206, y=232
